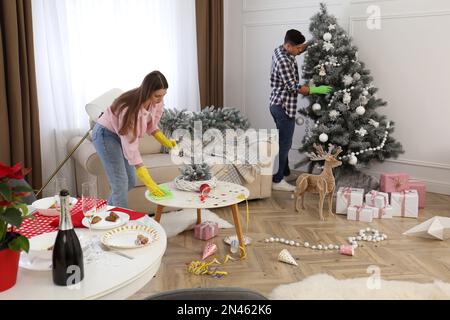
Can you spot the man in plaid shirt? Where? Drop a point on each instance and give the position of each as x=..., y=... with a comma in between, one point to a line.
x=285, y=83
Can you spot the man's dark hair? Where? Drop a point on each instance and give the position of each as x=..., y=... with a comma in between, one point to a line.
x=294, y=37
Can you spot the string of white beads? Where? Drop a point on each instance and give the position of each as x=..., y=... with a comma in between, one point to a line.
x=378, y=148
x=303, y=244
x=369, y=235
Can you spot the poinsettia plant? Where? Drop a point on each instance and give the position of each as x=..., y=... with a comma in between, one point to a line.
x=12, y=208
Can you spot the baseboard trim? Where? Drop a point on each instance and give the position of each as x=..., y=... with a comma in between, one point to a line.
x=432, y=185
x=417, y=170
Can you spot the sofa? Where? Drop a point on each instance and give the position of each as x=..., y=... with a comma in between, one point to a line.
x=88, y=166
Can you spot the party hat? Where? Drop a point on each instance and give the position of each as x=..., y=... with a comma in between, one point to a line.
x=286, y=257
x=209, y=250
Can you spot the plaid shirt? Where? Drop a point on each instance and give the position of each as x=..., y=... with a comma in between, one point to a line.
x=284, y=80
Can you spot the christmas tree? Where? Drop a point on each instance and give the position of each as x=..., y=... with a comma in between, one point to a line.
x=346, y=117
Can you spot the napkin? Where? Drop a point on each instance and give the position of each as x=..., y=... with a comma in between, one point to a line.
x=134, y=215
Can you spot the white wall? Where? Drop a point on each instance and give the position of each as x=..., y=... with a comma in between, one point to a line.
x=408, y=57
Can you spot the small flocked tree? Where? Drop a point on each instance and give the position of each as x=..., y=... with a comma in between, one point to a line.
x=347, y=117
x=209, y=118
x=196, y=172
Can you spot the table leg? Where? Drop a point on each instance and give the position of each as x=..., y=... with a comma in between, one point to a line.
x=237, y=225
x=199, y=216
x=159, y=210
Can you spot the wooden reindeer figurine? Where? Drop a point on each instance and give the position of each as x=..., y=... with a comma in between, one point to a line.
x=322, y=184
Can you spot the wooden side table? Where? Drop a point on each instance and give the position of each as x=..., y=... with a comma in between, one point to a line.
x=225, y=194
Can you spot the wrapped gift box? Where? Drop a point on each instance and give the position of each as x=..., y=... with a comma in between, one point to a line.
x=377, y=199
x=206, y=230
x=405, y=204
x=360, y=213
x=421, y=190
x=394, y=182
x=384, y=213
x=374, y=209
x=346, y=197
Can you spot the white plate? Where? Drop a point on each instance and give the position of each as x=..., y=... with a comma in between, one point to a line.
x=43, y=206
x=106, y=225
x=39, y=258
x=227, y=240
x=125, y=237
x=31, y=210
x=35, y=264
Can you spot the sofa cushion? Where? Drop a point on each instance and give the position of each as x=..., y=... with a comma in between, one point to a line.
x=149, y=145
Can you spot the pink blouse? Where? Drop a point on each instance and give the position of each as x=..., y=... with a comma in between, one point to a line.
x=147, y=123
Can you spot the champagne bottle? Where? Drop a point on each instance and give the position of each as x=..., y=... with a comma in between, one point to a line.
x=68, y=268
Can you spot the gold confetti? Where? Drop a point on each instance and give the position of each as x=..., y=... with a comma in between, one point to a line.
x=202, y=268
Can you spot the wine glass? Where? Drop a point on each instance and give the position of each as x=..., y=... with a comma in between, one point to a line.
x=60, y=184
x=89, y=208
x=89, y=199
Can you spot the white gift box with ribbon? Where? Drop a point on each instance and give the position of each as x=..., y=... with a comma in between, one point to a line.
x=374, y=210
x=346, y=197
x=383, y=213
x=405, y=204
x=360, y=213
x=377, y=199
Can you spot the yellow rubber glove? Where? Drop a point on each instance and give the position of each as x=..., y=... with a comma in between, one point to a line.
x=169, y=143
x=144, y=176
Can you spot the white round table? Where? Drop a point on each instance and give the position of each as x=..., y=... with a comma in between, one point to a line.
x=110, y=277
x=225, y=194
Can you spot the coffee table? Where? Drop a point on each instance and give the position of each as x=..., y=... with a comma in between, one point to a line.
x=225, y=194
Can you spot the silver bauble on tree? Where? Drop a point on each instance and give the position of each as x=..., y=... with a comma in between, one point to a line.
x=360, y=110
x=300, y=121
x=316, y=107
x=353, y=160
x=327, y=36
x=323, y=137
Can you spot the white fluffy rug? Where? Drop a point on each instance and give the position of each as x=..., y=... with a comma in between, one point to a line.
x=176, y=222
x=325, y=287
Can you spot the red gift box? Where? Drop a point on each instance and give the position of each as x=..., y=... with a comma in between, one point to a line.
x=394, y=182
x=206, y=230
x=421, y=190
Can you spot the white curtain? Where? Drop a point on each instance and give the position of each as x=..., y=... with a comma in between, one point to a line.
x=84, y=48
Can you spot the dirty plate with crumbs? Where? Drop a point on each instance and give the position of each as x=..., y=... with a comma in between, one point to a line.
x=126, y=237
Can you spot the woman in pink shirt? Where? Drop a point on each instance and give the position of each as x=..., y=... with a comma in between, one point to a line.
x=116, y=137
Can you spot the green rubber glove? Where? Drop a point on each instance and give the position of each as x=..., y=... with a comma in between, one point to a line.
x=144, y=176
x=320, y=90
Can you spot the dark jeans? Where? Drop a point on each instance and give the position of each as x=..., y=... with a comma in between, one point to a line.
x=286, y=126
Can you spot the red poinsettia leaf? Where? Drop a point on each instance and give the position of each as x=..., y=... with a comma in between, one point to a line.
x=20, y=194
x=14, y=172
x=4, y=170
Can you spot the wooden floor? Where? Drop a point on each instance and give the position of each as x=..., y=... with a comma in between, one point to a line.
x=399, y=258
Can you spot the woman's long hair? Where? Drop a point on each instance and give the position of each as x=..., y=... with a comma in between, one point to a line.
x=133, y=100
